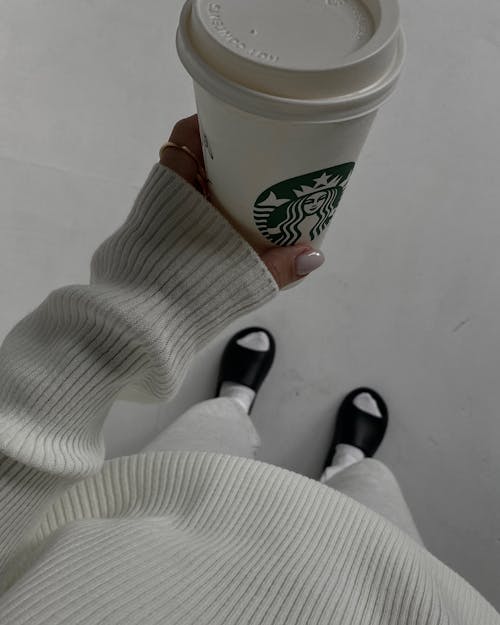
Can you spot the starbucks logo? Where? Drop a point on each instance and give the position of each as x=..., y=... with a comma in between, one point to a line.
x=302, y=206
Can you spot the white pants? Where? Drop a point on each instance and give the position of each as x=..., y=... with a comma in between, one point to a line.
x=221, y=425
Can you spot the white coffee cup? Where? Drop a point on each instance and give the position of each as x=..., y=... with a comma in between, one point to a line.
x=286, y=93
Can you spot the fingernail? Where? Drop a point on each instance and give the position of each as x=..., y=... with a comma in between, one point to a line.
x=308, y=262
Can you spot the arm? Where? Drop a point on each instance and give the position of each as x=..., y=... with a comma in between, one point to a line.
x=163, y=286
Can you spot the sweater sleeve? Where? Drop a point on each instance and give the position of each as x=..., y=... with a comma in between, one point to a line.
x=161, y=287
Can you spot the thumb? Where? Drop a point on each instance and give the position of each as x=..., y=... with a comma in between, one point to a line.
x=290, y=264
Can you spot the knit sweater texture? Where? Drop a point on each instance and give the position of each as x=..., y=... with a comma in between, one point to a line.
x=179, y=537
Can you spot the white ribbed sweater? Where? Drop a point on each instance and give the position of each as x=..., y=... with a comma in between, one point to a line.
x=184, y=537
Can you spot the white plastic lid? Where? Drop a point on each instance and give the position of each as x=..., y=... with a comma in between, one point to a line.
x=302, y=59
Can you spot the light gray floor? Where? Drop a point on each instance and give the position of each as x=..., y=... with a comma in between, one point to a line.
x=408, y=301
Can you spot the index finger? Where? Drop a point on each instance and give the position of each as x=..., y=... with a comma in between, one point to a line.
x=187, y=132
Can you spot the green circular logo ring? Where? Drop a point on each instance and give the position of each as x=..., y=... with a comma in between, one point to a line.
x=280, y=210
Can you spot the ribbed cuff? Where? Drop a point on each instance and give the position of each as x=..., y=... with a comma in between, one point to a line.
x=189, y=272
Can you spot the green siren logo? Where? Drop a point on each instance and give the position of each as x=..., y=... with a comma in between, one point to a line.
x=282, y=210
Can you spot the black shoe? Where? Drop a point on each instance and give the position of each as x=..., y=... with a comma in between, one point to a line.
x=357, y=428
x=246, y=366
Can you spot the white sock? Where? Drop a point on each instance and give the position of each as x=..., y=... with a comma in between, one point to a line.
x=367, y=403
x=259, y=342
x=345, y=455
x=243, y=395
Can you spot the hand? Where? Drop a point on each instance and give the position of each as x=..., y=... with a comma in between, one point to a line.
x=280, y=261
